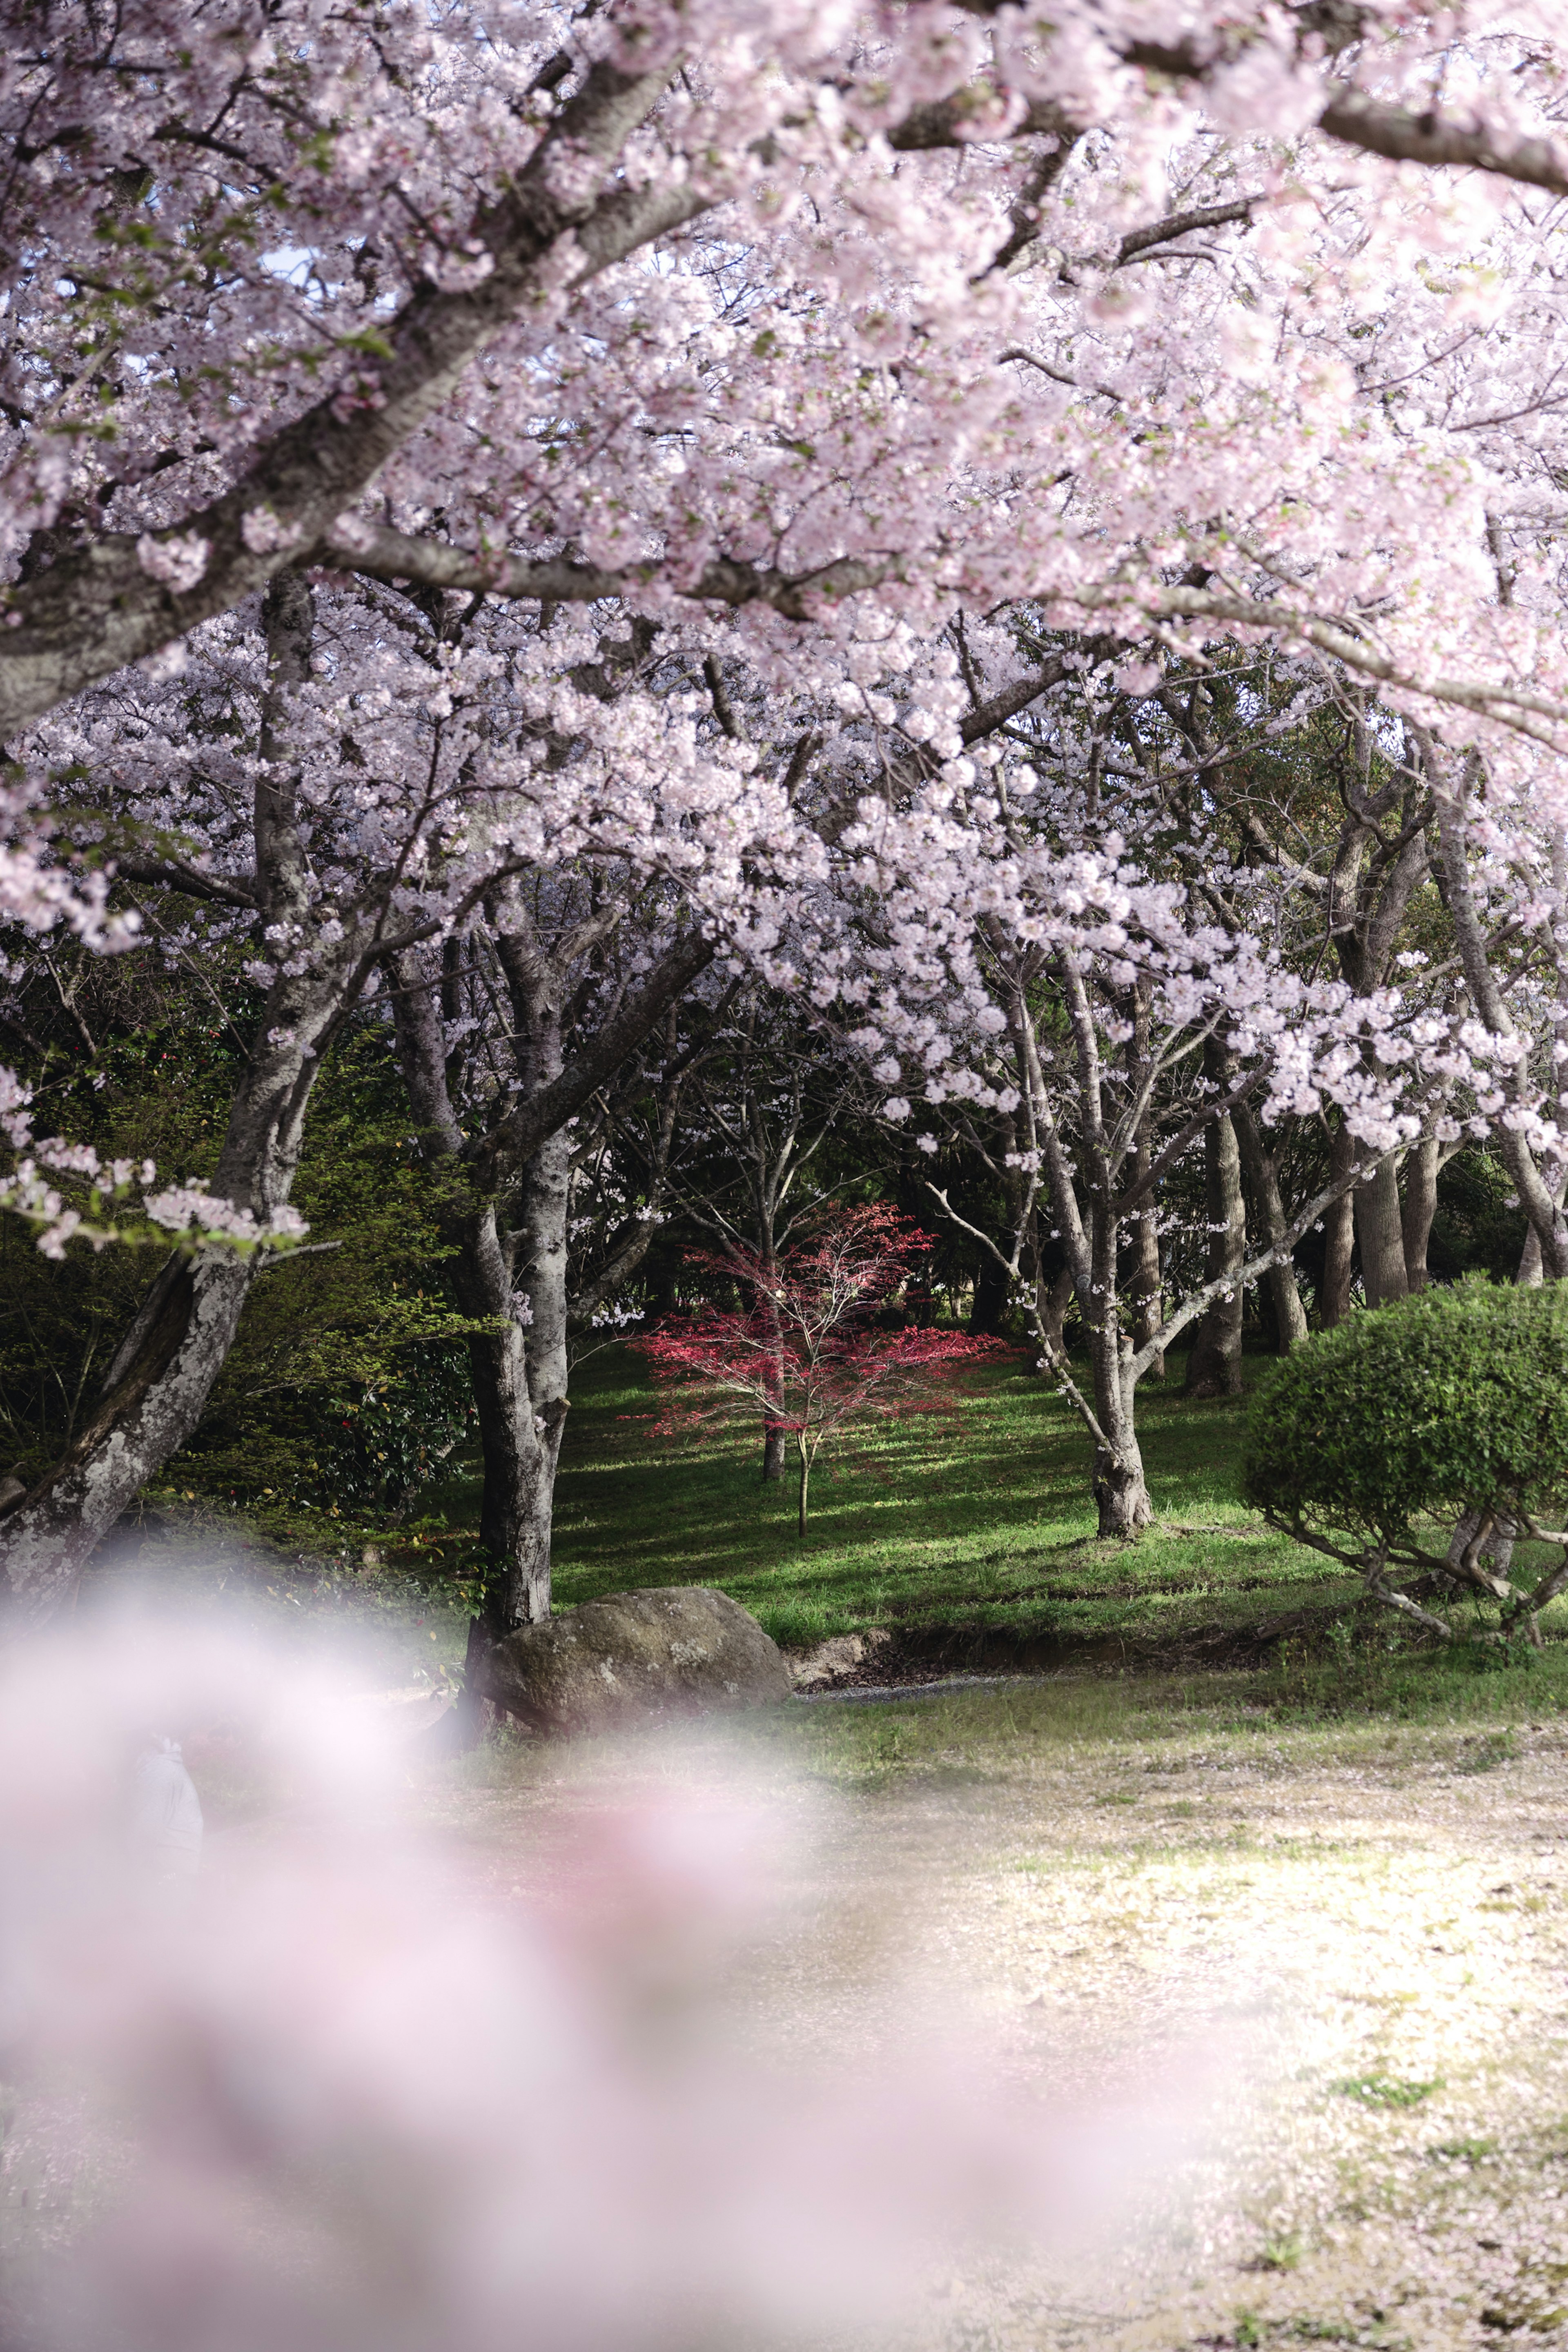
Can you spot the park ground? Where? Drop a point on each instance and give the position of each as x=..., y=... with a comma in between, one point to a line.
x=968, y=1533
x=1317, y=1966
x=1297, y=1905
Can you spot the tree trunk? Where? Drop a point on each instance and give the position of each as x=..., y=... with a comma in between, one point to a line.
x=774, y=1430
x=520, y=1385
x=520, y=1389
x=515, y=1274
x=1145, y=1291
x=1122, y=1499
x=1261, y=1171
x=1378, y=1231
x=162, y=1373
x=1214, y=1366
x=1052, y=1302
x=804, y=1477
x=1120, y=1494
x=1541, y=1201
x=1421, y=1172
x=990, y=1300
x=1146, y=1288
x=512, y=1276
x=156, y=1395
x=542, y=1270
x=1498, y=1548
x=482, y=1279
x=1339, y=1238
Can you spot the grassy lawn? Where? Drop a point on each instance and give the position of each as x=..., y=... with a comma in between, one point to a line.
x=973, y=1520
x=964, y=1532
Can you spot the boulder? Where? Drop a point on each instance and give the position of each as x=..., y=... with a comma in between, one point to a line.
x=663, y=1652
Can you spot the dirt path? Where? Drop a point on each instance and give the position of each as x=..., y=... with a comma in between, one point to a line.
x=1328, y=1966
x=1369, y=1951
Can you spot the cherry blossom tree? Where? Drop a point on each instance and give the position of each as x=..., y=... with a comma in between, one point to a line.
x=579, y=997
x=357, y=779
x=801, y=342
x=1107, y=1009
x=307, y=260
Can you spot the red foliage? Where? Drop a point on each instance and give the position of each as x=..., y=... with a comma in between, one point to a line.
x=808, y=1355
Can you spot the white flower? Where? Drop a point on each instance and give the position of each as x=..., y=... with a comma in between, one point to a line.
x=166, y=664
x=353, y=534
x=460, y=268
x=177, y=562
x=264, y=534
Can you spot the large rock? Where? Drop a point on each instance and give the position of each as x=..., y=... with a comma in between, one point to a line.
x=665, y=1651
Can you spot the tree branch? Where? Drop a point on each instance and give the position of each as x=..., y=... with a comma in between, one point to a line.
x=537, y=1117
x=95, y=610
x=1358, y=121
x=1182, y=1314
x=174, y=874
x=1143, y=240
x=382, y=554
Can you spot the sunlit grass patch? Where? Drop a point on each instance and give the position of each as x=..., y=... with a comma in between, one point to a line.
x=1386, y=2090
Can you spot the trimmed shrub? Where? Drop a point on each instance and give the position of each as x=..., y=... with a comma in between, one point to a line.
x=1454, y=1400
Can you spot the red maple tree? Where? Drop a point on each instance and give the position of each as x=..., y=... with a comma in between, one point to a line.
x=809, y=1353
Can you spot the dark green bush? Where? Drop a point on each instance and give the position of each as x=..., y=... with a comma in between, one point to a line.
x=1451, y=1401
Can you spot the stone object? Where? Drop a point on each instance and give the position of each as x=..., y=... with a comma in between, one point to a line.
x=663, y=1652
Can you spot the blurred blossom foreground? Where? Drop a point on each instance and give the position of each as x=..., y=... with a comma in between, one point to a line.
x=323, y=2084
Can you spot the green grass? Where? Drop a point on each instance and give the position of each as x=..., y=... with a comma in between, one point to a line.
x=959, y=1524
x=949, y=1528
x=1386, y=2090
x=1156, y=1749
x=975, y=1519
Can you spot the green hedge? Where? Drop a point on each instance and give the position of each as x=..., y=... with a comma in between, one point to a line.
x=1452, y=1400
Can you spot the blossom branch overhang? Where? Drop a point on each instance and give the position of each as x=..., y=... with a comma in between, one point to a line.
x=1352, y=117
x=1513, y=706
x=381, y=553
x=95, y=609
x=95, y=612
